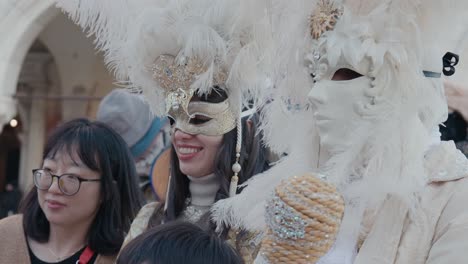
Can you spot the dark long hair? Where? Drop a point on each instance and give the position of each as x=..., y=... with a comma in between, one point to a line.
x=102, y=150
x=178, y=243
x=253, y=160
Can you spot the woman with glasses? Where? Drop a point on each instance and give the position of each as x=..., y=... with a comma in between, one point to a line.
x=84, y=199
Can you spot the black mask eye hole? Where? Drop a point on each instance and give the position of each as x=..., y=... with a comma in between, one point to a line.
x=199, y=119
x=171, y=120
x=345, y=74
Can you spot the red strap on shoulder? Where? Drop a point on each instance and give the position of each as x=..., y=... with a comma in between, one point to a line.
x=86, y=256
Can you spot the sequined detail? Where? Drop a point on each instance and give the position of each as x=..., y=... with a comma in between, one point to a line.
x=193, y=213
x=284, y=221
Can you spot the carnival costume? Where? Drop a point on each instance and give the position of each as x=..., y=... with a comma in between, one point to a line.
x=173, y=52
x=360, y=83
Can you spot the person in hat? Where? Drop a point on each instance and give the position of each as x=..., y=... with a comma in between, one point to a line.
x=147, y=136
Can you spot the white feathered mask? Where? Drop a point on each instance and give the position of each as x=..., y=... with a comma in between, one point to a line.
x=384, y=41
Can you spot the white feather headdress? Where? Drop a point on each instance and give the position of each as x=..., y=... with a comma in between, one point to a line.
x=388, y=152
x=134, y=33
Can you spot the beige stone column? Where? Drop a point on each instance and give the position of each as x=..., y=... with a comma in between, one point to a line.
x=33, y=77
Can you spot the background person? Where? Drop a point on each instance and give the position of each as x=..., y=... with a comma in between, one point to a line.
x=147, y=137
x=84, y=199
x=178, y=243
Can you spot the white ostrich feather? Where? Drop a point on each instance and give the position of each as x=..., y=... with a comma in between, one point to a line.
x=132, y=34
x=238, y=213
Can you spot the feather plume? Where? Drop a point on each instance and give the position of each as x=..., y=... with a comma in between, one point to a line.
x=387, y=154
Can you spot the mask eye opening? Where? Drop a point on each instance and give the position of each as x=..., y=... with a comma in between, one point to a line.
x=199, y=119
x=345, y=74
x=171, y=120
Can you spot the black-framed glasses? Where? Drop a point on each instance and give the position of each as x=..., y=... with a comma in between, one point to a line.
x=68, y=184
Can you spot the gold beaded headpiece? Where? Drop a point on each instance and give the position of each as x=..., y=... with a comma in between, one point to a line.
x=176, y=76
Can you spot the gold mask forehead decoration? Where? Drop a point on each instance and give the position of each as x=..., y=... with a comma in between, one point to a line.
x=324, y=17
x=176, y=76
x=175, y=79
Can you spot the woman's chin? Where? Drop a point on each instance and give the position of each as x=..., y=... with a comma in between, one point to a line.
x=193, y=171
x=55, y=219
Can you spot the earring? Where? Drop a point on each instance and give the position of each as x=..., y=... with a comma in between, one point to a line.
x=236, y=167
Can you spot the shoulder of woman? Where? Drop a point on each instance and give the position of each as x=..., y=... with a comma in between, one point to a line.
x=145, y=212
x=16, y=249
x=140, y=223
x=11, y=224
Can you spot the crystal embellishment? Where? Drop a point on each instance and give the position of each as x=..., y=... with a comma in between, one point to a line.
x=303, y=218
x=284, y=221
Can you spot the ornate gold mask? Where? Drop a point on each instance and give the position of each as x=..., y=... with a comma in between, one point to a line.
x=176, y=77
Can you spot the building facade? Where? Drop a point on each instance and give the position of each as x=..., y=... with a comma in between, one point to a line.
x=49, y=73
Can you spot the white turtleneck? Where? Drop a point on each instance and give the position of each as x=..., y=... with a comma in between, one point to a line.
x=203, y=189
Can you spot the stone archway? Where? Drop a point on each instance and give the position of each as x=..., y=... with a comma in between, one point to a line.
x=78, y=71
x=22, y=22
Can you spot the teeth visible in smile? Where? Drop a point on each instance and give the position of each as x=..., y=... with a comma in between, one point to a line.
x=188, y=150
